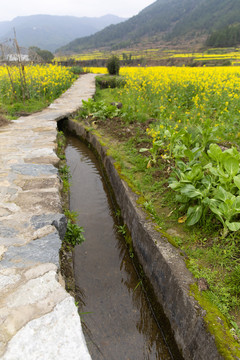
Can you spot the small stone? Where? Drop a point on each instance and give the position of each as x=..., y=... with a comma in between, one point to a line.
x=34, y=170
x=44, y=231
x=3, y=249
x=202, y=284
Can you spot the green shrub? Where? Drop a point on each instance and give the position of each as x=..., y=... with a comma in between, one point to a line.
x=77, y=70
x=113, y=65
x=105, y=82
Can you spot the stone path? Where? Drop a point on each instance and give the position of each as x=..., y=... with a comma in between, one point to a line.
x=38, y=318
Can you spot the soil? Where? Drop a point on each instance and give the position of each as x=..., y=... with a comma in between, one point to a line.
x=3, y=121
x=118, y=129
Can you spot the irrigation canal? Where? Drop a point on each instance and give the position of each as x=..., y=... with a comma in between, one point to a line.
x=117, y=319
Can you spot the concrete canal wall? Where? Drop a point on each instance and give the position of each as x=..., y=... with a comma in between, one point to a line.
x=162, y=264
x=38, y=318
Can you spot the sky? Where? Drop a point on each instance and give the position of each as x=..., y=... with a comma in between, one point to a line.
x=91, y=8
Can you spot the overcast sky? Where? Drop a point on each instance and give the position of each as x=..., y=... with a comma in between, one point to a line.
x=92, y=8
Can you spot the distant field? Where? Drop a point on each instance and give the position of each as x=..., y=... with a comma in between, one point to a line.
x=232, y=56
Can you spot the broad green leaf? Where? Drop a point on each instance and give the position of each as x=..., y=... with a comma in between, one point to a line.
x=221, y=194
x=233, y=152
x=233, y=226
x=190, y=191
x=236, y=204
x=213, y=170
x=222, y=175
x=188, y=153
x=158, y=143
x=215, y=209
x=194, y=214
x=182, y=199
x=215, y=152
x=196, y=173
x=231, y=165
x=143, y=149
x=236, y=180
x=226, y=210
x=207, y=181
x=175, y=185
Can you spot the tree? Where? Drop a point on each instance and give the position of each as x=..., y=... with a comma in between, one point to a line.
x=113, y=65
x=44, y=55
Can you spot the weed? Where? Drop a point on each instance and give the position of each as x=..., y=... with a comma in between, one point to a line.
x=71, y=215
x=74, y=234
x=138, y=284
x=122, y=229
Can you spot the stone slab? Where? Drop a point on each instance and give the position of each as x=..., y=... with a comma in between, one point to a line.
x=43, y=250
x=38, y=318
x=50, y=337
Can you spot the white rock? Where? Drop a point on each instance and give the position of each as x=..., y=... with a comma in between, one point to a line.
x=57, y=335
x=35, y=290
x=8, y=280
x=39, y=270
x=44, y=231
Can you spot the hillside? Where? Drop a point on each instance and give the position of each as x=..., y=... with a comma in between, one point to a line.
x=50, y=32
x=164, y=21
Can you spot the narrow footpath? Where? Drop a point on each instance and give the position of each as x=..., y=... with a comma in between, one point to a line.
x=38, y=318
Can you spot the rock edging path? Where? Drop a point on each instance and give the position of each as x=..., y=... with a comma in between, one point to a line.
x=38, y=318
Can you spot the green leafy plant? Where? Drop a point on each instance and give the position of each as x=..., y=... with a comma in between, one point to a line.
x=74, y=234
x=226, y=206
x=122, y=229
x=99, y=109
x=214, y=186
x=154, y=151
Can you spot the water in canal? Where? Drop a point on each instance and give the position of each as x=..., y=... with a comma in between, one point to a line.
x=117, y=320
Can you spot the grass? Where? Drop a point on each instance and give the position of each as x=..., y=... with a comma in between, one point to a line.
x=18, y=109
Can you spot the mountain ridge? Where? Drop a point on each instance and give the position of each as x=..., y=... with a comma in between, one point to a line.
x=164, y=21
x=40, y=30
